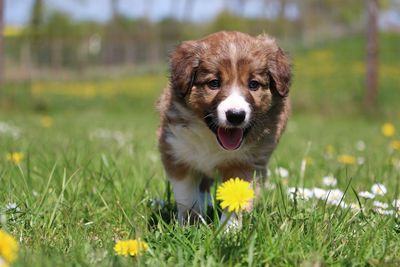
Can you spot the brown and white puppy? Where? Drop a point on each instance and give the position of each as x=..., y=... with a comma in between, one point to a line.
x=222, y=114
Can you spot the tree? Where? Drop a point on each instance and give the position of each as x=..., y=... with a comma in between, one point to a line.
x=188, y=6
x=147, y=9
x=37, y=16
x=1, y=41
x=372, y=55
x=114, y=9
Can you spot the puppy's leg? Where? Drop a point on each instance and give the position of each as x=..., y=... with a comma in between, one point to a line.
x=189, y=199
x=205, y=197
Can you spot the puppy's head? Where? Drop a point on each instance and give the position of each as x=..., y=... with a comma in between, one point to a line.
x=230, y=80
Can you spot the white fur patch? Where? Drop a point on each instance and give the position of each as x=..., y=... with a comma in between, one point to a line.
x=234, y=221
x=234, y=102
x=188, y=196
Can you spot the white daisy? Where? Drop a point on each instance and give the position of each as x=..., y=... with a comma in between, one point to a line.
x=360, y=145
x=379, y=189
x=381, y=205
x=300, y=193
x=384, y=212
x=319, y=193
x=366, y=194
x=282, y=172
x=10, y=130
x=360, y=161
x=329, y=180
x=334, y=196
x=269, y=186
x=396, y=203
x=12, y=206
x=355, y=206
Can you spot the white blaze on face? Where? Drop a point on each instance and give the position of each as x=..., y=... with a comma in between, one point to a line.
x=234, y=102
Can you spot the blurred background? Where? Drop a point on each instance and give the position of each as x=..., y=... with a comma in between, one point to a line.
x=344, y=53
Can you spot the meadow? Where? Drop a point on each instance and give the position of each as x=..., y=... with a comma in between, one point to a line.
x=79, y=170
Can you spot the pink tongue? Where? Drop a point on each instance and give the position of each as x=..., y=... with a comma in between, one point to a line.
x=230, y=139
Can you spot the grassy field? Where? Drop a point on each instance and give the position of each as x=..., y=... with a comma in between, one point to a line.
x=90, y=173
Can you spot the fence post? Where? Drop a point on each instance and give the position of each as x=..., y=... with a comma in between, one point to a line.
x=372, y=55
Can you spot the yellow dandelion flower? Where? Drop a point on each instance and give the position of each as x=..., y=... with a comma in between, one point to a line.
x=388, y=129
x=235, y=194
x=395, y=145
x=46, y=121
x=8, y=248
x=130, y=247
x=309, y=161
x=347, y=159
x=15, y=157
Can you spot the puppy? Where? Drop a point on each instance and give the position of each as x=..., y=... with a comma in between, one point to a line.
x=222, y=114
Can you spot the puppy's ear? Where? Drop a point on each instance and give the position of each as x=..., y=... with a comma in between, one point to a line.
x=183, y=64
x=278, y=65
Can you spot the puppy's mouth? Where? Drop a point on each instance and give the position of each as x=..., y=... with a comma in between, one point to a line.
x=228, y=138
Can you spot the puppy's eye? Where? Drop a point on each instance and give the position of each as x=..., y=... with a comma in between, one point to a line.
x=214, y=84
x=254, y=85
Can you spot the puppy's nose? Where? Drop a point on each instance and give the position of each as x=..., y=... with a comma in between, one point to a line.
x=235, y=117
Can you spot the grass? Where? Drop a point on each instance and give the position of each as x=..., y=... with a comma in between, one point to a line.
x=94, y=176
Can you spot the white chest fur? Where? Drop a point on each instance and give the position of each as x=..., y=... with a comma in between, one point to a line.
x=196, y=145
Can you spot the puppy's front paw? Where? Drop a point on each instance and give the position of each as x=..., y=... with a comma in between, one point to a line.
x=232, y=222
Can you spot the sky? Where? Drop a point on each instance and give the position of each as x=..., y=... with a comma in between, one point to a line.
x=17, y=12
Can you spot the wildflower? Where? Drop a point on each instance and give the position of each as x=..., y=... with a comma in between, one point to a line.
x=355, y=206
x=334, y=197
x=300, y=193
x=319, y=193
x=235, y=194
x=347, y=159
x=366, y=194
x=379, y=189
x=269, y=186
x=8, y=248
x=308, y=161
x=360, y=160
x=329, y=150
x=282, y=172
x=46, y=121
x=7, y=129
x=329, y=180
x=384, y=212
x=388, y=129
x=395, y=145
x=12, y=206
x=130, y=247
x=381, y=205
x=15, y=157
x=396, y=203
x=360, y=145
